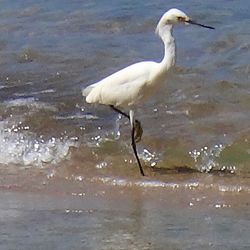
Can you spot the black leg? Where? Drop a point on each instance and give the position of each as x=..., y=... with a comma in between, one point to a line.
x=135, y=151
x=138, y=128
x=119, y=111
x=136, y=133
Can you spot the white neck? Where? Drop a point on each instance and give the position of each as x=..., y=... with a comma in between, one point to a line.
x=165, y=34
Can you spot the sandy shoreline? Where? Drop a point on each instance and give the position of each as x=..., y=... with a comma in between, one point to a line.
x=98, y=215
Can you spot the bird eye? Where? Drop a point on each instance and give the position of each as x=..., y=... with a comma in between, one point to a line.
x=181, y=19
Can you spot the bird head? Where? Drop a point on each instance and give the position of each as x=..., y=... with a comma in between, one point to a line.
x=175, y=16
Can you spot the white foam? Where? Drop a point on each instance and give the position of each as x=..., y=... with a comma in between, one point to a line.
x=30, y=102
x=141, y=183
x=206, y=157
x=24, y=149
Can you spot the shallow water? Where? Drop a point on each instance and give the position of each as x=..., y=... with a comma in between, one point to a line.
x=196, y=130
x=51, y=51
x=101, y=216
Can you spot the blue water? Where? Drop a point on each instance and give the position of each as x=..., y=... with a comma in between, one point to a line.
x=50, y=50
x=196, y=130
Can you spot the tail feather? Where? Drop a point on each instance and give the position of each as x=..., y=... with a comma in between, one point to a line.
x=88, y=89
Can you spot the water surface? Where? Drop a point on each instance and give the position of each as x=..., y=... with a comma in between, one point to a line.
x=196, y=130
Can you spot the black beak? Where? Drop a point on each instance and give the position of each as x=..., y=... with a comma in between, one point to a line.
x=202, y=25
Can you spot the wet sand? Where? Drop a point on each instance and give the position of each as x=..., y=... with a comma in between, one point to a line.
x=194, y=212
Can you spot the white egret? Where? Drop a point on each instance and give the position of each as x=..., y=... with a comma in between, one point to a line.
x=138, y=81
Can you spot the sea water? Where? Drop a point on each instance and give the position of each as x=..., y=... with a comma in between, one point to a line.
x=196, y=130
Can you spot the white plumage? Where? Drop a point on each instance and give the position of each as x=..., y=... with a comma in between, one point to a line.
x=135, y=83
x=125, y=87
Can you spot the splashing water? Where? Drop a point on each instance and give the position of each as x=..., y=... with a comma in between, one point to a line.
x=151, y=158
x=22, y=148
x=108, y=135
x=206, y=158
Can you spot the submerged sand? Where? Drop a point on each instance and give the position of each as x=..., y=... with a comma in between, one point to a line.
x=184, y=211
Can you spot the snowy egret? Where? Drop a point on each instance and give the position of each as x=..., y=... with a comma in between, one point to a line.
x=138, y=81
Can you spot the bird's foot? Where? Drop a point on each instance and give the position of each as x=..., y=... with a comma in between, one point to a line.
x=138, y=131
